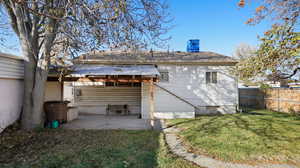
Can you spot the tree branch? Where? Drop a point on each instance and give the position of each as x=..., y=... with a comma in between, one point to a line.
x=12, y=17
x=292, y=74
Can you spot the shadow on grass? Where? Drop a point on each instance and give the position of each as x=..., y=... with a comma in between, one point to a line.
x=261, y=123
x=79, y=148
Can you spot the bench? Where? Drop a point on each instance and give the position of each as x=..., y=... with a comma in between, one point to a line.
x=117, y=109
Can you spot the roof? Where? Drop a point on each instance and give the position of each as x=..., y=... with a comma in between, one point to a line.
x=11, y=56
x=115, y=57
x=99, y=70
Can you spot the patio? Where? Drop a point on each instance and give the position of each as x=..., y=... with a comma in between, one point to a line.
x=104, y=122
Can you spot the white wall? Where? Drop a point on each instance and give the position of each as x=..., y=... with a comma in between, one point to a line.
x=11, y=100
x=69, y=93
x=165, y=105
x=94, y=99
x=11, y=89
x=188, y=82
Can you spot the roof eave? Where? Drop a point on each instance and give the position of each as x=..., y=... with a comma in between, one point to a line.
x=194, y=62
x=11, y=56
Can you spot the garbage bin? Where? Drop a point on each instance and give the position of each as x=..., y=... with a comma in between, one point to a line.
x=56, y=110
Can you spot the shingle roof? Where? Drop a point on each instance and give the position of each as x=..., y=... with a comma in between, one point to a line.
x=83, y=70
x=155, y=57
x=11, y=56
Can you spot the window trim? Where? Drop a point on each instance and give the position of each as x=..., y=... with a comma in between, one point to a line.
x=211, y=77
x=161, y=79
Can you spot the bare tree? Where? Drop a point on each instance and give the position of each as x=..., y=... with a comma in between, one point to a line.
x=244, y=51
x=45, y=27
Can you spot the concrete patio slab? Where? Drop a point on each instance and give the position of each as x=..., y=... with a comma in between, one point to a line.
x=111, y=122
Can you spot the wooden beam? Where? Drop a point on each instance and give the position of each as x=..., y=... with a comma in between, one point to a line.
x=151, y=102
x=105, y=79
x=62, y=90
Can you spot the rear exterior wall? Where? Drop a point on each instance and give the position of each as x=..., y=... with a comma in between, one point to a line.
x=189, y=83
x=94, y=99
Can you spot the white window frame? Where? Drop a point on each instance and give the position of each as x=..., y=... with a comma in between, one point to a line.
x=210, y=78
x=164, y=76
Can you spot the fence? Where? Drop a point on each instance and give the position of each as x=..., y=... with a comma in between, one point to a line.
x=276, y=99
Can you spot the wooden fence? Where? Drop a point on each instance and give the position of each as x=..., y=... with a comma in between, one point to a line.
x=276, y=99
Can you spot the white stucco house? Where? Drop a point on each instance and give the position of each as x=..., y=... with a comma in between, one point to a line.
x=154, y=84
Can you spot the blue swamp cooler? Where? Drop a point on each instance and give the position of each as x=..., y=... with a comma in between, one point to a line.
x=193, y=46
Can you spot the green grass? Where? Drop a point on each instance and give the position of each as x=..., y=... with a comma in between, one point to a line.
x=87, y=148
x=257, y=136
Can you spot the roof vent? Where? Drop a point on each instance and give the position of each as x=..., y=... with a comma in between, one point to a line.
x=193, y=46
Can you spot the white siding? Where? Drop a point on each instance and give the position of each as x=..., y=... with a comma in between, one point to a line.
x=94, y=99
x=165, y=105
x=11, y=68
x=188, y=82
x=11, y=89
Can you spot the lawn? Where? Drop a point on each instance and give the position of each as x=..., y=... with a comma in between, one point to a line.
x=257, y=136
x=58, y=148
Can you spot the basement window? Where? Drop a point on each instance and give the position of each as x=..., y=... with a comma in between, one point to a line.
x=212, y=108
x=211, y=77
x=164, y=76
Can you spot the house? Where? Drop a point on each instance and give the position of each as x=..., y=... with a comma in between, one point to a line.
x=11, y=88
x=154, y=84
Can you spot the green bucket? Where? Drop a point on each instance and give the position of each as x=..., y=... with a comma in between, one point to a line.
x=54, y=124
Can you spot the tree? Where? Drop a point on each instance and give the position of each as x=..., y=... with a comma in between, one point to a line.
x=280, y=10
x=244, y=51
x=279, y=51
x=277, y=56
x=51, y=28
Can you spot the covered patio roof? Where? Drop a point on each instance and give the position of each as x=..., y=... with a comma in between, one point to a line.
x=109, y=73
x=84, y=70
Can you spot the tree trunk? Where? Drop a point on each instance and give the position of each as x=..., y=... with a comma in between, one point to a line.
x=34, y=86
x=36, y=51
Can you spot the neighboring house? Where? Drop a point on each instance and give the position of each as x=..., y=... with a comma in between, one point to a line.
x=294, y=84
x=11, y=89
x=185, y=84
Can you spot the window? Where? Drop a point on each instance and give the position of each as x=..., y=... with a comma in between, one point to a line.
x=212, y=108
x=211, y=77
x=164, y=76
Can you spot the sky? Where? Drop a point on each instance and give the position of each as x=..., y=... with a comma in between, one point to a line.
x=219, y=24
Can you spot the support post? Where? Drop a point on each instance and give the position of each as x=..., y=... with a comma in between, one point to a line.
x=151, y=102
x=62, y=90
